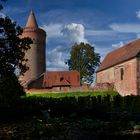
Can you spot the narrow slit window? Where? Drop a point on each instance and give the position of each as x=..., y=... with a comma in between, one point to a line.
x=122, y=73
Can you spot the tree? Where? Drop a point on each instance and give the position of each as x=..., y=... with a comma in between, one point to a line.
x=12, y=47
x=84, y=59
x=12, y=53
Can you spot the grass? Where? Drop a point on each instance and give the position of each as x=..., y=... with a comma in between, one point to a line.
x=73, y=94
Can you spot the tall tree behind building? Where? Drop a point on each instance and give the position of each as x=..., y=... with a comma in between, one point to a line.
x=84, y=59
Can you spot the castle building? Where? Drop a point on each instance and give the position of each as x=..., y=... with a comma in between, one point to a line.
x=36, y=54
x=121, y=68
x=37, y=77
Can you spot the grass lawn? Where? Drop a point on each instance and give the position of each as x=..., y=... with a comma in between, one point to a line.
x=74, y=94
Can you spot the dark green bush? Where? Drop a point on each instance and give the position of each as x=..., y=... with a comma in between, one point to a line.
x=116, y=107
x=10, y=90
x=91, y=124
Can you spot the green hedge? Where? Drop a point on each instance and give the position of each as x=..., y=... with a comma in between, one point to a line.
x=112, y=106
x=71, y=94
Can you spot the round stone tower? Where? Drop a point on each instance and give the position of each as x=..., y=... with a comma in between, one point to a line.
x=36, y=54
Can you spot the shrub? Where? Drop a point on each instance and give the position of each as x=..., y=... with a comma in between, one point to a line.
x=116, y=107
x=10, y=90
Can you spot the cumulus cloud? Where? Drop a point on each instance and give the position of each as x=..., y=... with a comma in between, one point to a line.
x=70, y=34
x=56, y=59
x=125, y=28
x=75, y=33
x=53, y=30
x=118, y=45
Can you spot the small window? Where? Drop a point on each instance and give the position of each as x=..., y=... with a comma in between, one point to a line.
x=61, y=78
x=122, y=73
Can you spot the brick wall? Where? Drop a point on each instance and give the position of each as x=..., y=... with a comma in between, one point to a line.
x=123, y=76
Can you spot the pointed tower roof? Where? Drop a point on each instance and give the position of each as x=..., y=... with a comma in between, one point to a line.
x=31, y=22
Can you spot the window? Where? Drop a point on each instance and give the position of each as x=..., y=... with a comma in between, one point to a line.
x=122, y=73
x=61, y=78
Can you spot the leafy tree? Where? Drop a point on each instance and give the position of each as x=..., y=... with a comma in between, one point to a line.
x=12, y=52
x=12, y=47
x=84, y=59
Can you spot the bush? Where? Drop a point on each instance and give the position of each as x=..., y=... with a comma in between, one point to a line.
x=105, y=107
x=10, y=90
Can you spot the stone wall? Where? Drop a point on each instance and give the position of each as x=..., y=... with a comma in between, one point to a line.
x=104, y=87
x=83, y=88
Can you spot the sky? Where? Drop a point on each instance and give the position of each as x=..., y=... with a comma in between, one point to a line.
x=105, y=24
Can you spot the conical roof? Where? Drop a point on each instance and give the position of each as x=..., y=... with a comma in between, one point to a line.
x=31, y=22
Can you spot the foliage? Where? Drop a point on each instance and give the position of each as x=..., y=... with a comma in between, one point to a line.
x=71, y=94
x=84, y=128
x=10, y=90
x=46, y=130
x=12, y=48
x=85, y=60
x=69, y=105
x=91, y=124
x=95, y=114
x=12, y=52
x=136, y=127
x=101, y=107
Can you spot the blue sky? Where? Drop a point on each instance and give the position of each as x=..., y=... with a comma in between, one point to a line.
x=105, y=24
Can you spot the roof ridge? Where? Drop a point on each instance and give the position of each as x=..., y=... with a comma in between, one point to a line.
x=124, y=53
x=129, y=43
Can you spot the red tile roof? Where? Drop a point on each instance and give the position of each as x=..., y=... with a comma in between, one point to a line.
x=61, y=78
x=120, y=55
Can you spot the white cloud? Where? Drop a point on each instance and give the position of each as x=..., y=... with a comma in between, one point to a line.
x=118, y=45
x=70, y=34
x=53, y=30
x=125, y=28
x=56, y=59
x=138, y=14
x=75, y=33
